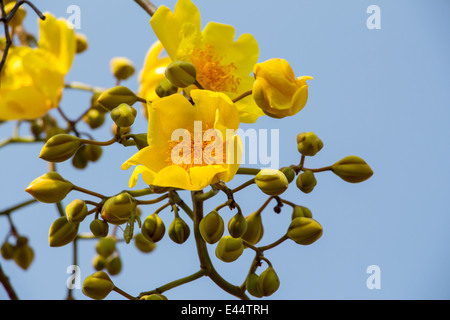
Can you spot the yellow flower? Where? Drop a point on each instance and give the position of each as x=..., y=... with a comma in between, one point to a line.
x=222, y=64
x=33, y=79
x=189, y=146
x=276, y=90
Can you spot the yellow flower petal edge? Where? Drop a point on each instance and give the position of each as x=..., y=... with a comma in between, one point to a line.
x=190, y=146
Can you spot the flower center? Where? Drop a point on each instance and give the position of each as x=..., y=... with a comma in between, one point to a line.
x=211, y=74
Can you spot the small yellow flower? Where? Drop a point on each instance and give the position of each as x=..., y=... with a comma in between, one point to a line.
x=222, y=64
x=189, y=146
x=33, y=79
x=276, y=90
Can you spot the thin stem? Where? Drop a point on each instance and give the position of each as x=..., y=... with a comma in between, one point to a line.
x=249, y=171
x=123, y=293
x=242, y=96
x=165, y=196
x=8, y=287
x=244, y=185
x=83, y=87
x=274, y=244
x=100, y=143
x=92, y=193
x=149, y=7
x=319, y=169
x=19, y=206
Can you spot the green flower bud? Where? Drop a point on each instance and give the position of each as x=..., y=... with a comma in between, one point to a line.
x=154, y=296
x=304, y=231
x=122, y=68
x=98, y=262
x=23, y=256
x=181, y=74
x=289, y=173
x=308, y=143
x=60, y=147
x=252, y=285
x=255, y=229
x=118, y=209
x=113, y=97
x=94, y=118
x=272, y=182
x=21, y=241
x=300, y=211
x=179, y=230
x=53, y=131
x=82, y=43
x=352, y=169
x=140, y=140
x=229, y=249
x=306, y=181
x=106, y=247
x=212, y=227
x=98, y=285
x=123, y=115
x=99, y=228
x=92, y=152
x=7, y=250
x=143, y=244
x=114, y=265
x=165, y=88
x=268, y=282
x=237, y=225
x=79, y=161
x=62, y=232
x=76, y=211
x=153, y=228
x=49, y=188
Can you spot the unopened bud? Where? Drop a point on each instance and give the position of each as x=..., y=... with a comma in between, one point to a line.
x=141, y=141
x=304, y=231
x=98, y=285
x=308, y=143
x=7, y=250
x=99, y=228
x=179, y=230
x=76, y=211
x=212, y=227
x=143, y=244
x=60, y=147
x=300, y=211
x=271, y=181
x=122, y=68
x=99, y=262
x=23, y=256
x=181, y=74
x=113, y=97
x=252, y=285
x=306, y=181
x=268, y=282
x=123, y=115
x=165, y=88
x=153, y=228
x=289, y=173
x=114, y=265
x=105, y=247
x=94, y=118
x=118, y=209
x=255, y=229
x=154, y=296
x=237, y=225
x=79, y=161
x=229, y=249
x=82, y=42
x=49, y=188
x=62, y=232
x=352, y=169
x=92, y=152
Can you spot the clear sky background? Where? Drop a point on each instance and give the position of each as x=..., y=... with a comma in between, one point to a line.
x=380, y=94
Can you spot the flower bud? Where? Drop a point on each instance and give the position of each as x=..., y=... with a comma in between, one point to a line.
x=272, y=182
x=113, y=97
x=252, y=285
x=153, y=228
x=79, y=161
x=60, y=147
x=122, y=68
x=99, y=228
x=306, y=181
x=181, y=74
x=123, y=115
x=304, y=231
x=352, y=169
x=94, y=118
x=7, y=250
x=106, y=247
x=62, y=232
x=154, y=296
x=82, y=42
x=141, y=141
x=143, y=244
x=98, y=285
x=255, y=229
x=178, y=230
x=99, y=262
x=237, y=225
x=118, y=209
x=76, y=211
x=49, y=188
x=92, y=152
x=114, y=265
x=268, y=282
x=212, y=227
x=300, y=211
x=308, y=143
x=229, y=249
x=289, y=173
x=23, y=256
x=18, y=17
x=165, y=88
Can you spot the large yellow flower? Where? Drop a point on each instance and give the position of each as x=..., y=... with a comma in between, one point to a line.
x=189, y=146
x=222, y=64
x=33, y=79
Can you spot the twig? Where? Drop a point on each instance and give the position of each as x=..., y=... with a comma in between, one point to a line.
x=8, y=287
x=149, y=7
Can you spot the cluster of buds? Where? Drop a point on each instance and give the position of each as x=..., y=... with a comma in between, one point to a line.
x=20, y=252
x=107, y=256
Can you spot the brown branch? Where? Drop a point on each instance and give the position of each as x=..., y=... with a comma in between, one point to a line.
x=8, y=287
x=149, y=7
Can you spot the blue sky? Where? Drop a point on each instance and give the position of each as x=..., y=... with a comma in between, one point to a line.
x=379, y=94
